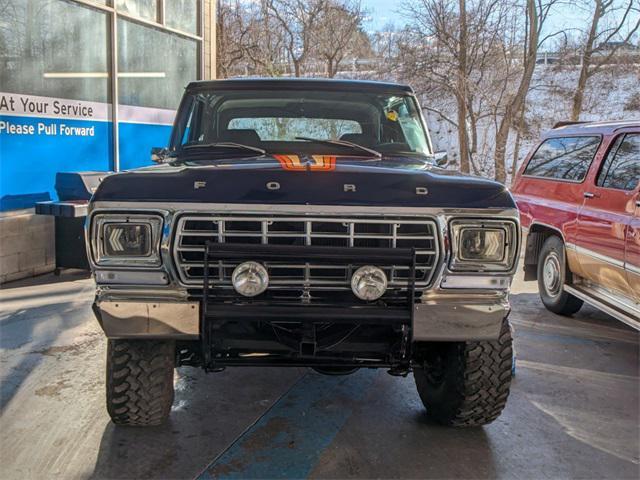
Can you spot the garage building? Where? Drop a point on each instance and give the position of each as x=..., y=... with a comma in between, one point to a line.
x=86, y=85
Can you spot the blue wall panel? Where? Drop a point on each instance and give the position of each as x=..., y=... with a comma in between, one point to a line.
x=29, y=162
x=136, y=141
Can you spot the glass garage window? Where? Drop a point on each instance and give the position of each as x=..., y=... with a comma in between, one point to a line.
x=147, y=75
x=41, y=55
x=147, y=9
x=182, y=15
x=563, y=158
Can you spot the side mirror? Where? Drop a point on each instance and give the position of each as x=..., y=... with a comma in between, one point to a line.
x=159, y=154
x=441, y=158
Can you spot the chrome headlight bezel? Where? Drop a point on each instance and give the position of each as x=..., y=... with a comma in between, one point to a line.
x=505, y=262
x=100, y=256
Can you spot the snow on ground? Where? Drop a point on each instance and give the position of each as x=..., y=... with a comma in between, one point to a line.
x=610, y=95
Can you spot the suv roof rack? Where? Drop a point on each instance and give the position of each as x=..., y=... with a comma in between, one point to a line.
x=566, y=123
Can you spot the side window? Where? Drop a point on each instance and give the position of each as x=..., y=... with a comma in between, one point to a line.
x=191, y=129
x=621, y=169
x=187, y=130
x=565, y=158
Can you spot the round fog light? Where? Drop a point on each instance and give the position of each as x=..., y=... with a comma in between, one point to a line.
x=250, y=279
x=369, y=283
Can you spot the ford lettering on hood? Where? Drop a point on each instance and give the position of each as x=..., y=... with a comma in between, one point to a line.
x=318, y=180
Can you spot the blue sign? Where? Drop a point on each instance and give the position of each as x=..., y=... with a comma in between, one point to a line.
x=41, y=136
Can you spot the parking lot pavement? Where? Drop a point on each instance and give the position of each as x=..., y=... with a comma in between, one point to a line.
x=573, y=411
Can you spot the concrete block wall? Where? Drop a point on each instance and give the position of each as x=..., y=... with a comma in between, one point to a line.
x=27, y=245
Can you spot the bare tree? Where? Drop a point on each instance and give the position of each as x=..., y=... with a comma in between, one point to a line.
x=536, y=14
x=462, y=96
x=296, y=19
x=269, y=58
x=600, y=45
x=249, y=40
x=339, y=33
x=269, y=37
x=448, y=51
x=233, y=34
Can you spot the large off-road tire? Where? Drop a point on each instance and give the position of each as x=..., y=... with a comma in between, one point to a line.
x=466, y=384
x=140, y=381
x=553, y=274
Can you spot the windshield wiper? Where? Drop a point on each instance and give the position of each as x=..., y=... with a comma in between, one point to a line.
x=342, y=143
x=227, y=145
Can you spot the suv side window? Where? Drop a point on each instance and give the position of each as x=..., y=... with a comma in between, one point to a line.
x=621, y=169
x=565, y=158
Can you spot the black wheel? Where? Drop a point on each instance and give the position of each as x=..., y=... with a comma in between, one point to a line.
x=466, y=384
x=553, y=274
x=140, y=381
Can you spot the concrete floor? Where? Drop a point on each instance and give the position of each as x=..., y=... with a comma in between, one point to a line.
x=573, y=410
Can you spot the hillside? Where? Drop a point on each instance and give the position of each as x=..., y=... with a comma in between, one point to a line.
x=610, y=96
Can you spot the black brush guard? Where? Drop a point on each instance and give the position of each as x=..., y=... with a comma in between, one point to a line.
x=215, y=313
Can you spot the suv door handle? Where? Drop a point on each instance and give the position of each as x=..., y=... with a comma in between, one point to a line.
x=590, y=195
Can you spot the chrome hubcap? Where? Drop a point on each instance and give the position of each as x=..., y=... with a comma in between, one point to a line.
x=551, y=274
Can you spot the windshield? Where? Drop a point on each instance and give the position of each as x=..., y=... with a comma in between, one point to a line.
x=293, y=121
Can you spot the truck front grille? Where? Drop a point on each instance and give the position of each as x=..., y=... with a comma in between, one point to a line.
x=193, y=231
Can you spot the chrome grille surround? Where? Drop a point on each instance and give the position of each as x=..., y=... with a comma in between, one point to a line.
x=193, y=230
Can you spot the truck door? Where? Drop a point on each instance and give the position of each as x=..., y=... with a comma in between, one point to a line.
x=606, y=216
x=632, y=254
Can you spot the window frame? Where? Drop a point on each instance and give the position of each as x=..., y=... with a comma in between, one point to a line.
x=136, y=27
x=113, y=53
x=605, y=157
x=564, y=180
x=213, y=128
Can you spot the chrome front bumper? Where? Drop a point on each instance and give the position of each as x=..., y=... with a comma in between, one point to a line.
x=458, y=321
x=451, y=320
x=130, y=319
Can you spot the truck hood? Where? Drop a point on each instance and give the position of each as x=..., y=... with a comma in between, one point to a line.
x=291, y=180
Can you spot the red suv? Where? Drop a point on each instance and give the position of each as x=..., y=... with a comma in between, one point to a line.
x=579, y=200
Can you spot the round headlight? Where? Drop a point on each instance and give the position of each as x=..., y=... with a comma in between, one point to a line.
x=369, y=283
x=250, y=279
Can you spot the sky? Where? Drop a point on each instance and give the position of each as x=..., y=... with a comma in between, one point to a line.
x=385, y=12
x=382, y=12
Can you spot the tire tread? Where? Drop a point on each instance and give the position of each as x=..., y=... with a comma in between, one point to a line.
x=140, y=381
x=481, y=374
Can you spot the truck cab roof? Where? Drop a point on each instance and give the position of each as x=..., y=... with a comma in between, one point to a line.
x=300, y=84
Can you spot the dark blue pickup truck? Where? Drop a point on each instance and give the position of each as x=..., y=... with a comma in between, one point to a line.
x=304, y=223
